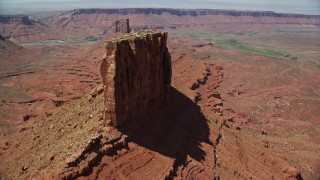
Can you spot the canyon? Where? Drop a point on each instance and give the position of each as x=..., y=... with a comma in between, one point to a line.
x=219, y=94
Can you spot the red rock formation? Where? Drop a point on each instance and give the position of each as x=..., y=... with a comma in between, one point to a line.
x=121, y=25
x=20, y=29
x=136, y=73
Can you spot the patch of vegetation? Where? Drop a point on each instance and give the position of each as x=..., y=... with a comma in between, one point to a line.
x=8, y=93
x=246, y=33
x=203, y=55
x=296, y=31
x=235, y=44
x=206, y=36
x=92, y=38
x=142, y=32
x=292, y=161
x=5, y=127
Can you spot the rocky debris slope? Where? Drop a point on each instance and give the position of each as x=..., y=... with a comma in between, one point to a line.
x=54, y=141
x=136, y=73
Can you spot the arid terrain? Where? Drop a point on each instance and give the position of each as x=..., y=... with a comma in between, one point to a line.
x=244, y=100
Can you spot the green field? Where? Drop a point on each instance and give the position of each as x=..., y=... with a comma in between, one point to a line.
x=297, y=44
x=235, y=44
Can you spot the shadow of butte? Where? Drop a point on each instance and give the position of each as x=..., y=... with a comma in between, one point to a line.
x=175, y=130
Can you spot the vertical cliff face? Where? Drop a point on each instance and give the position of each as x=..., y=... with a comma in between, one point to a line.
x=121, y=25
x=136, y=73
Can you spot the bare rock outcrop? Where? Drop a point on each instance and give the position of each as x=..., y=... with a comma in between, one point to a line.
x=121, y=25
x=136, y=73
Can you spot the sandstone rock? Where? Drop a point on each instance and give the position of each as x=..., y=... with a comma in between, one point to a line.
x=194, y=86
x=24, y=168
x=22, y=129
x=216, y=95
x=264, y=132
x=136, y=74
x=96, y=91
x=26, y=117
x=197, y=97
x=121, y=25
x=58, y=102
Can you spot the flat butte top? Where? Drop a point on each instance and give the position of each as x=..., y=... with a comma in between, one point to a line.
x=134, y=35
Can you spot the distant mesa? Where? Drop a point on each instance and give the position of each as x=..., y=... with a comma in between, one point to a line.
x=121, y=25
x=136, y=74
x=191, y=12
x=94, y=23
x=15, y=19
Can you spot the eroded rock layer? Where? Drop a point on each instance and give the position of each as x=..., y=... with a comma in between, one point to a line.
x=136, y=73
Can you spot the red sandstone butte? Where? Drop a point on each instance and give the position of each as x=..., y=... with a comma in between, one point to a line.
x=136, y=73
x=121, y=25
